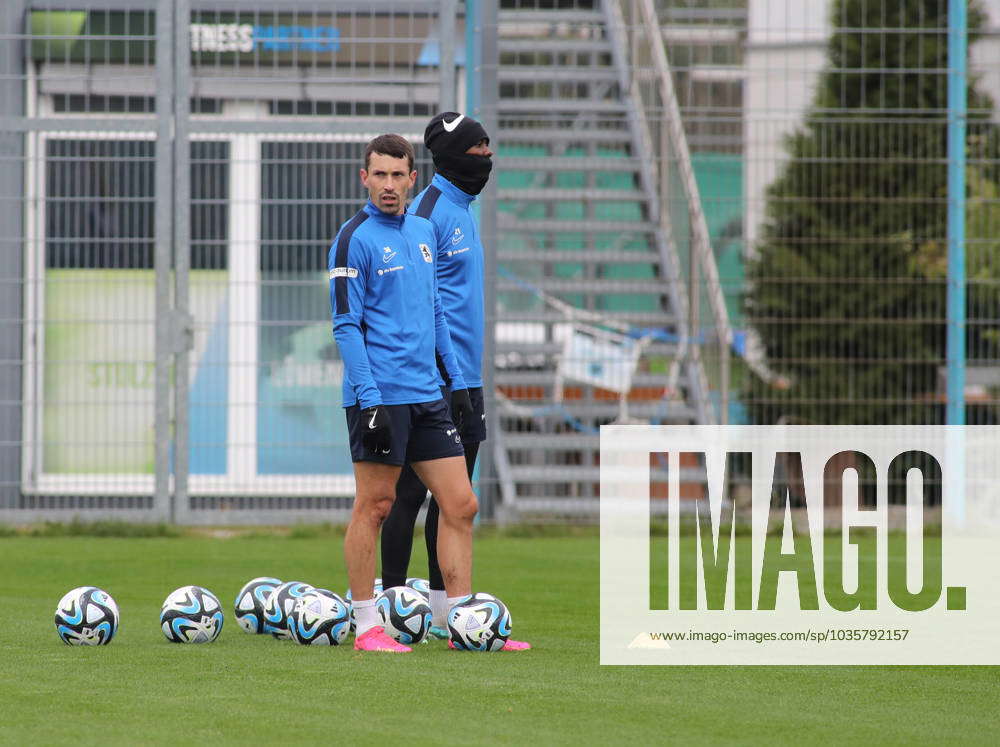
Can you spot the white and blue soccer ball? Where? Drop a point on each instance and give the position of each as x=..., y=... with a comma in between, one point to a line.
x=332, y=595
x=347, y=598
x=404, y=613
x=420, y=584
x=320, y=618
x=191, y=614
x=250, y=603
x=480, y=622
x=87, y=616
x=279, y=606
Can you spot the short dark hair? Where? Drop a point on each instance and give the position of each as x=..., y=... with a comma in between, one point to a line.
x=396, y=146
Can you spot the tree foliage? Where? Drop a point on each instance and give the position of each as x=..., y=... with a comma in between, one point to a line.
x=847, y=287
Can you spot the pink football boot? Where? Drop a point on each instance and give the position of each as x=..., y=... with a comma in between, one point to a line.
x=375, y=639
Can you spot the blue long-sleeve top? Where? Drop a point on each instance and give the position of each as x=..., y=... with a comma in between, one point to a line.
x=459, y=269
x=387, y=315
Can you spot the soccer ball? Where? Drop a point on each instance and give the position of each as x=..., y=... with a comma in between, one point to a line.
x=250, y=603
x=350, y=606
x=191, y=614
x=337, y=597
x=320, y=618
x=480, y=622
x=87, y=616
x=420, y=584
x=404, y=613
x=279, y=606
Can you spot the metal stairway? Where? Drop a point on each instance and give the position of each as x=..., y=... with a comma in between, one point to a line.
x=581, y=240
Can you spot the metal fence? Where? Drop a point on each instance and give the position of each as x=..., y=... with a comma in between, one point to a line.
x=704, y=211
x=847, y=168
x=176, y=173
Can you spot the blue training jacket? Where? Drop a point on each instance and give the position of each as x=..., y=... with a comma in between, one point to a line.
x=459, y=270
x=387, y=316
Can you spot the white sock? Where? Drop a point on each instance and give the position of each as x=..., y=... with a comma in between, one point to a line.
x=365, y=617
x=439, y=608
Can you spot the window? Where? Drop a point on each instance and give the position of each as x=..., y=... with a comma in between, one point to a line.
x=100, y=204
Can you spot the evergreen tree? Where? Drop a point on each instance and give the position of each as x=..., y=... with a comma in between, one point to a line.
x=847, y=287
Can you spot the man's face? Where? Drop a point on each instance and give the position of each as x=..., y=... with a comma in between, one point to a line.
x=482, y=148
x=388, y=182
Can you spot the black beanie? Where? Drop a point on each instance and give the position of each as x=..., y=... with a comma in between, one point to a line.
x=454, y=133
x=448, y=136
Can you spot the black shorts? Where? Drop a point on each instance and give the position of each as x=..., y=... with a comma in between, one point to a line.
x=474, y=432
x=420, y=432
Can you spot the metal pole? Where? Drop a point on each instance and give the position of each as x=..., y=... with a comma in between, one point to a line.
x=487, y=114
x=958, y=36
x=162, y=251
x=957, y=49
x=446, y=45
x=694, y=321
x=472, y=37
x=724, y=364
x=12, y=253
x=182, y=254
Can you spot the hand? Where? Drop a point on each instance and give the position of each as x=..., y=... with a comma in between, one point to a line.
x=461, y=409
x=376, y=429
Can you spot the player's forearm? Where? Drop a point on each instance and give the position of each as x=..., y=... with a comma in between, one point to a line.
x=351, y=344
x=444, y=348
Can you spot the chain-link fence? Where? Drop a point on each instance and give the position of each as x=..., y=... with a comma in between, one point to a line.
x=703, y=211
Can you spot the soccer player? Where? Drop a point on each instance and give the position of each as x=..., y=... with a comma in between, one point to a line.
x=388, y=324
x=460, y=147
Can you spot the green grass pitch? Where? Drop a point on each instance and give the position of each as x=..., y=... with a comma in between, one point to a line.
x=255, y=690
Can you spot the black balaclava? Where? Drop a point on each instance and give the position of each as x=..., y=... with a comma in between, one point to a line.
x=447, y=137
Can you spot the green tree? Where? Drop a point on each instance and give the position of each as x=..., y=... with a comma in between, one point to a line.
x=847, y=287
